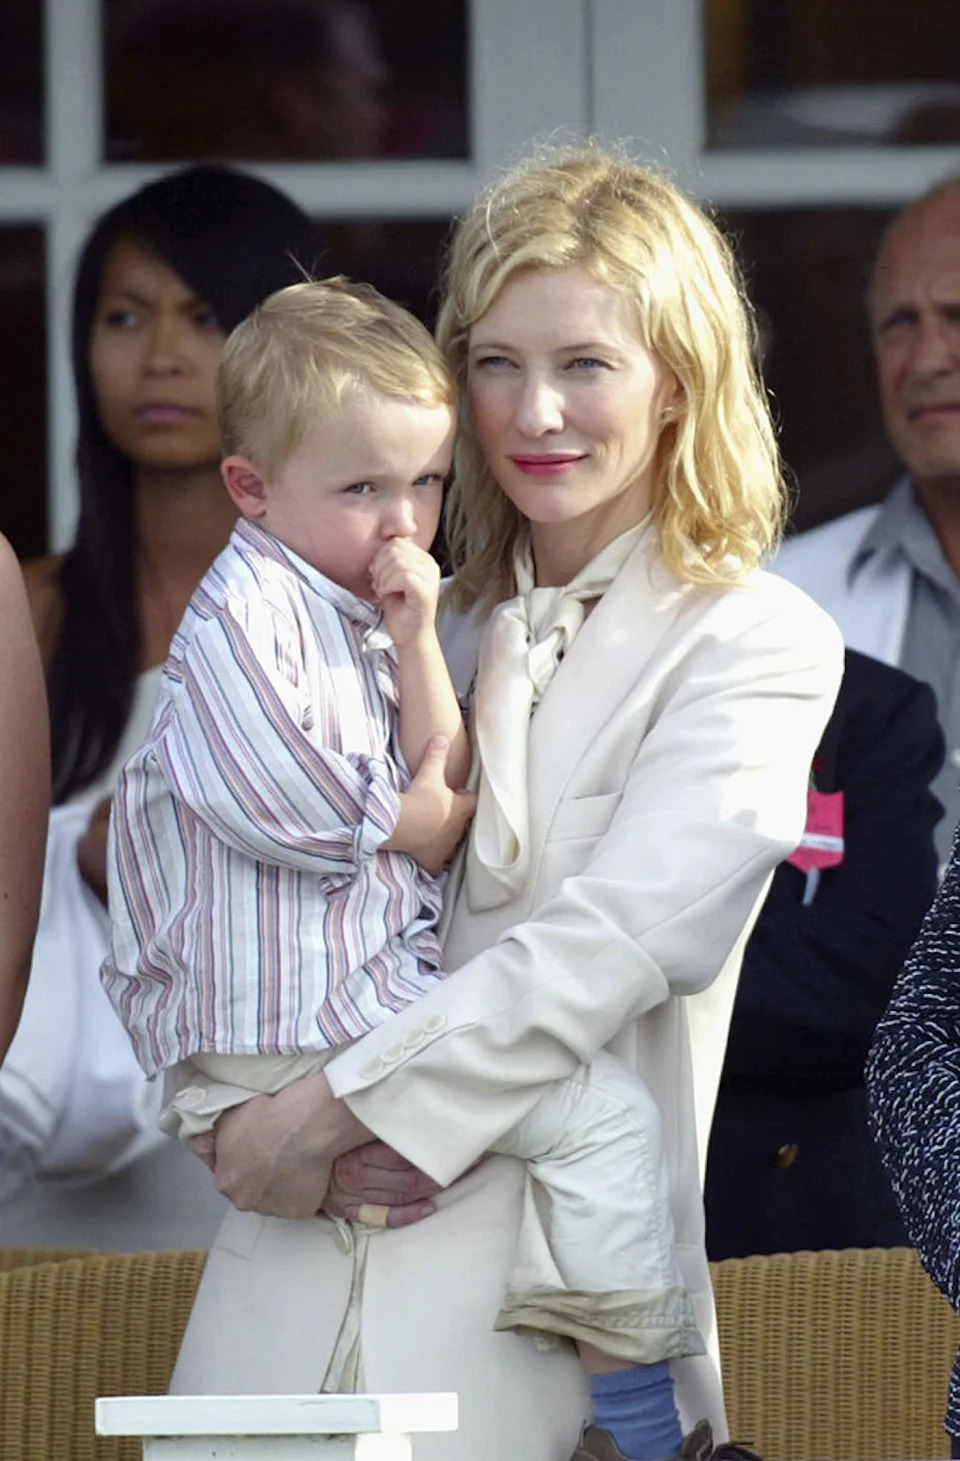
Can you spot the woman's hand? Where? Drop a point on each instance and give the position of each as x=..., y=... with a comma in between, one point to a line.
x=92, y=850
x=275, y=1154
x=375, y=1173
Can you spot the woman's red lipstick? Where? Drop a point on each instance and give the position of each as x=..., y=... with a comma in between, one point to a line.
x=546, y=464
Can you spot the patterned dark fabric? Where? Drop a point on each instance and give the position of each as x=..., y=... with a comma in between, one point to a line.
x=913, y=1088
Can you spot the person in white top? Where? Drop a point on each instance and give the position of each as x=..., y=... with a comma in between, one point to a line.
x=275, y=842
x=161, y=279
x=595, y=323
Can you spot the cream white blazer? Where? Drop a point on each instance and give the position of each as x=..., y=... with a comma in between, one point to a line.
x=669, y=760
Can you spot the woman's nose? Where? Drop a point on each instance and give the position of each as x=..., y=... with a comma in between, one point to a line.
x=539, y=408
x=165, y=345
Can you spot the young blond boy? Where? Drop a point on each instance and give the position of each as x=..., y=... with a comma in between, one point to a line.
x=276, y=842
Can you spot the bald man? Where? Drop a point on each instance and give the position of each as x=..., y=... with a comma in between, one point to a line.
x=890, y=574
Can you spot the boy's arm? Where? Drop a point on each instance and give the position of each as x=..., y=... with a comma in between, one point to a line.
x=407, y=580
x=429, y=707
x=232, y=749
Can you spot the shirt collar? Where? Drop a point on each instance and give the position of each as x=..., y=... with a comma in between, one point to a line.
x=247, y=536
x=902, y=528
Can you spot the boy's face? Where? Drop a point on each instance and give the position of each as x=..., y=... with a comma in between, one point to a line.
x=373, y=472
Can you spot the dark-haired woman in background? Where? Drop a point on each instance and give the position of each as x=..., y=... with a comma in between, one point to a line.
x=162, y=279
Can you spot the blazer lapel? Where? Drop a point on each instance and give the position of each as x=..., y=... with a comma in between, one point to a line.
x=601, y=668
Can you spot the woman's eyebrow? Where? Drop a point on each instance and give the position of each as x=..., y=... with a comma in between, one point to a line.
x=555, y=349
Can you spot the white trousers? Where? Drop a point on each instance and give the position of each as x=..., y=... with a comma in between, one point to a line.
x=595, y=1256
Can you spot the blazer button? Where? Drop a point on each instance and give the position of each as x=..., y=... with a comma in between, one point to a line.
x=786, y=1155
x=433, y=1024
x=371, y=1070
x=191, y=1098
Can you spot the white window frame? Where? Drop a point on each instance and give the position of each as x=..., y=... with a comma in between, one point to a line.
x=528, y=77
x=620, y=69
x=649, y=84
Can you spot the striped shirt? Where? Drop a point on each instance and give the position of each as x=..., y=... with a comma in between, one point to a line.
x=253, y=910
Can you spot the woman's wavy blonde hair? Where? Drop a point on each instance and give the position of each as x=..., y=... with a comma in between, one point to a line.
x=719, y=493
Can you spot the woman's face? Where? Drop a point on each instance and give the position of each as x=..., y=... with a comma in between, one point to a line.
x=154, y=350
x=567, y=403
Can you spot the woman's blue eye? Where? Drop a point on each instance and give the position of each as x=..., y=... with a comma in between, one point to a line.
x=430, y=479
x=490, y=360
x=589, y=362
x=359, y=489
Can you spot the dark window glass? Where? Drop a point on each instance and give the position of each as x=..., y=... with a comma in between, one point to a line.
x=21, y=82
x=402, y=257
x=23, y=514
x=276, y=80
x=812, y=73
x=808, y=271
x=403, y=260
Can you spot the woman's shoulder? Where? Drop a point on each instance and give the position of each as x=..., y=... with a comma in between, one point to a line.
x=775, y=608
x=790, y=605
x=45, y=598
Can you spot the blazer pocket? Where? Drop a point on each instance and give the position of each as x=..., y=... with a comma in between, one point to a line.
x=583, y=817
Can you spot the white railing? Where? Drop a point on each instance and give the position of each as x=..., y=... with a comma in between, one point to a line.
x=276, y=1427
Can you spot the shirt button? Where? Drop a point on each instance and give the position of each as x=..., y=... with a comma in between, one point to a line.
x=786, y=1155
x=955, y=756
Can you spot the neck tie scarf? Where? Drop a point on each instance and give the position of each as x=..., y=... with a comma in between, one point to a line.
x=524, y=642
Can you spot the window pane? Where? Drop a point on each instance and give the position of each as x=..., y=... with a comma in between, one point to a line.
x=808, y=272
x=23, y=514
x=402, y=258
x=815, y=73
x=275, y=80
x=21, y=82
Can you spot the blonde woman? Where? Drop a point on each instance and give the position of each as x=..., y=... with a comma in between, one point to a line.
x=646, y=706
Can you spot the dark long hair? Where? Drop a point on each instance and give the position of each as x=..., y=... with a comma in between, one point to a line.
x=233, y=240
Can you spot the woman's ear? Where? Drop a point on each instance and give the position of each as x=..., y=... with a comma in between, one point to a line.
x=244, y=482
x=673, y=400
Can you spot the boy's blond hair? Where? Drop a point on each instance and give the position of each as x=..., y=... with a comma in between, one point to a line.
x=718, y=490
x=307, y=347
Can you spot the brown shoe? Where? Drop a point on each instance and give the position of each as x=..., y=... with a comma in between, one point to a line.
x=599, y=1445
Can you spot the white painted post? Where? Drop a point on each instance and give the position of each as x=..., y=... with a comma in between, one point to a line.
x=276, y=1427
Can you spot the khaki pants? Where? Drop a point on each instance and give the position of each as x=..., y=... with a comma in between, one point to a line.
x=595, y=1256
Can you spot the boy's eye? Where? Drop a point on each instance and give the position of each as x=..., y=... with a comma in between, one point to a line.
x=431, y=479
x=360, y=489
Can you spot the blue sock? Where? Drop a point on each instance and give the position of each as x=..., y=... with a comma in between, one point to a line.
x=638, y=1409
